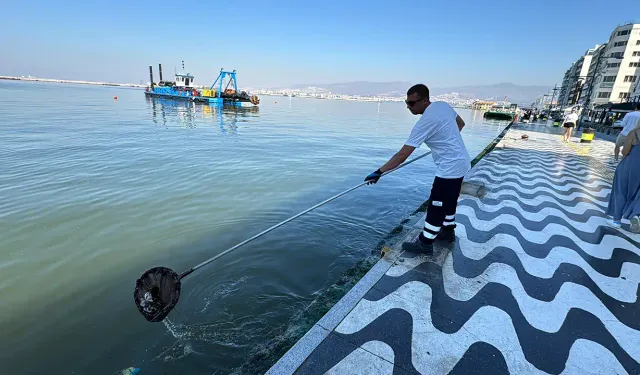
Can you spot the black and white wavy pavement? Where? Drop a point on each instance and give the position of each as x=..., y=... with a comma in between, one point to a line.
x=536, y=282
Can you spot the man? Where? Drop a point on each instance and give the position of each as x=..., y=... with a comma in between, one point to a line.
x=569, y=123
x=630, y=121
x=439, y=128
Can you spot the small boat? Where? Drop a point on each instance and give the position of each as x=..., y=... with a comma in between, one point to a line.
x=502, y=112
x=499, y=115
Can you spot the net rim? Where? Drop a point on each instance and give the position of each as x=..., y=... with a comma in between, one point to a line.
x=140, y=290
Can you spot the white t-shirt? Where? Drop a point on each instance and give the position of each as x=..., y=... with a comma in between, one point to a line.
x=571, y=117
x=630, y=121
x=438, y=129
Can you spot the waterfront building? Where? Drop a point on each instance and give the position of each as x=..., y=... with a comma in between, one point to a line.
x=614, y=68
x=574, y=78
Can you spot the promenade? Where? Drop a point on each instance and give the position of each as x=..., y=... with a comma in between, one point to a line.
x=536, y=282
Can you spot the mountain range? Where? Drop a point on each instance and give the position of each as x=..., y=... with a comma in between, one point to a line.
x=514, y=93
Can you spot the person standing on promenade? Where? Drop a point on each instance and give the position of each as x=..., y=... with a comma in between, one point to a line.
x=630, y=121
x=569, y=123
x=625, y=192
x=439, y=128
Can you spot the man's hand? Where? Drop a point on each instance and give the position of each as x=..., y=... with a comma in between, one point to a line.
x=373, y=177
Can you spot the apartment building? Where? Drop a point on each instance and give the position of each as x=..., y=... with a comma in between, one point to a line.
x=563, y=97
x=614, y=68
x=573, y=82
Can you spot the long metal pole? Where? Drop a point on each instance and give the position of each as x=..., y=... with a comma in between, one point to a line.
x=294, y=217
x=555, y=88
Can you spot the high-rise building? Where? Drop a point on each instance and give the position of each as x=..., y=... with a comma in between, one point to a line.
x=597, y=62
x=614, y=69
x=563, y=98
x=574, y=78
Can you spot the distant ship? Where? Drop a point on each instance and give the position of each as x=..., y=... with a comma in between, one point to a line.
x=502, y=112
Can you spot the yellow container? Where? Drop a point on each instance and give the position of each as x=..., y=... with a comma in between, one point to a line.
x=556, y=123
x=209, y=93
x=587, y=137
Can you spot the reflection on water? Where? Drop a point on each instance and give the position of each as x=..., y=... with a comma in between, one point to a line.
x=189, y=114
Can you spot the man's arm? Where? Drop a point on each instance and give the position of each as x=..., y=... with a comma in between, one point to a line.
x=418, y=135
x=460, y=122
x=398, y=158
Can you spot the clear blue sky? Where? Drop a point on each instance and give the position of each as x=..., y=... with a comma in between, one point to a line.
x=277, y=43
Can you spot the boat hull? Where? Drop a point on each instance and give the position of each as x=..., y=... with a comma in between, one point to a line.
x=186, y=97
x=498, y=116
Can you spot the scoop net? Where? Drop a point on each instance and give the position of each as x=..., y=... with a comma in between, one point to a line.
x=157, y=292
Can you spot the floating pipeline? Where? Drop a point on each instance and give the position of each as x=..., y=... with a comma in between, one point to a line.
x=263, y=357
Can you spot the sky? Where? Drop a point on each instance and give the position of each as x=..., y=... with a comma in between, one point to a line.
x=280, y=43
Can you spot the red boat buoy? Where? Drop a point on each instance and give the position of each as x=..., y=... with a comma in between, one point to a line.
x=115, y=98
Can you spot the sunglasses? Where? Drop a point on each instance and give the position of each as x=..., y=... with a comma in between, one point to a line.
x=411, y=103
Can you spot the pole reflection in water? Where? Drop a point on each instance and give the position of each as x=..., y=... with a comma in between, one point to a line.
x=192, y=115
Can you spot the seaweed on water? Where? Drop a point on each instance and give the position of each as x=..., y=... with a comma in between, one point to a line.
x=378, y=248
x=397, y=230
x=264, y=357
x=422, y=208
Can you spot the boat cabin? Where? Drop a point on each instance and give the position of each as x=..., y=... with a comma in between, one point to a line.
x=184, y=80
